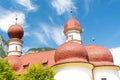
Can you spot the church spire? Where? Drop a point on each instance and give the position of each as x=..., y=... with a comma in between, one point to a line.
x=16, y=19
x=71, y=12
x=72, y=29
x=15, y=33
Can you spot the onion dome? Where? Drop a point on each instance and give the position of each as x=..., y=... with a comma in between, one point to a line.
x=72, y=24
x=15, y=31
x=99, y=55
x=71, y=52
x=14, y=62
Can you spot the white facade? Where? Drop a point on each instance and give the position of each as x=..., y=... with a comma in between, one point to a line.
x=74, y=71
x=85, y=71
x=106, y=72
x=73, y=35
x=15, y=48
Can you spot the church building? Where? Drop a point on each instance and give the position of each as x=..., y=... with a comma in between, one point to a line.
x=71, y=60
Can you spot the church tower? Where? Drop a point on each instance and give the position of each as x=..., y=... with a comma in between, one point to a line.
x=15, y=33
x=72, y=30
x=71, y=57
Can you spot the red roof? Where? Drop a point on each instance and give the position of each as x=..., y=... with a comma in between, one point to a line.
x=42, y=57
x=68, y=52
x=15, y=62
x=18, y=63
x=71, y=52
x=99, y=55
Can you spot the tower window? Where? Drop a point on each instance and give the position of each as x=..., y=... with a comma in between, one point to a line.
x=70, y=37
x=16, y=48
x=103, y=78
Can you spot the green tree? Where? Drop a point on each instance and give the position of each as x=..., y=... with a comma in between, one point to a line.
x=6, y=72
x=38, y=72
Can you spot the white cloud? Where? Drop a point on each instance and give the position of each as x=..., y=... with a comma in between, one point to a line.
x=26, y=33
x=49, y=33
x=46, y=30
x=116, y=55
x=54, y=33
x=51, y=19
x=57, y=35
x=63, y=6
x=27, y=3
x=41, y=37
x=87, y=5
x=25, y=49
x=7, y=18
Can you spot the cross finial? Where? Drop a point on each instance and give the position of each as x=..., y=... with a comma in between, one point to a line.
x=16, y=19
x=71, y=11
x=93, y=39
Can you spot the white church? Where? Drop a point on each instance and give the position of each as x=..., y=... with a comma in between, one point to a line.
x=71, y=60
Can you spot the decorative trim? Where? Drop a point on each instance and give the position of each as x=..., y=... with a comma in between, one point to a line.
x=72, y=29
x=15, y=39
x=114, y=67
x=15, y=44
x=73, y=64
x=76, y=40
x=14, y=51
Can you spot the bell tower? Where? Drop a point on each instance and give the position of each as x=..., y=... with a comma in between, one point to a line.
x=15, y=33
x=72, y=30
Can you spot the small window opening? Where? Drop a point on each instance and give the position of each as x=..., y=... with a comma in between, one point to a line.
x=103, y=78
x=16, y=48
x=44, y=64
x=70, y=37
x=25, y=66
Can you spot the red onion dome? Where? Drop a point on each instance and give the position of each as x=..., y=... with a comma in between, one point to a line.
x=71, y=52
x=15, y=31
x=72, y=24
x=14, y=62
x=99, y=55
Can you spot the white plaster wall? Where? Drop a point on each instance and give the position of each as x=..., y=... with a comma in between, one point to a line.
x=73, y=36
x=119, y=73
x=77, y=36
x=73, y=73
x=109, y=74
x=13, y=47
x=14, y=53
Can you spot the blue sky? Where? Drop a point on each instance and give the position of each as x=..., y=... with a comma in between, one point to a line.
x=43, y=21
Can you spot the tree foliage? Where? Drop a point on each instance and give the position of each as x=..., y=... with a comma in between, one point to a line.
x=2, y=53
x=6, y=72
x=38, y=72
